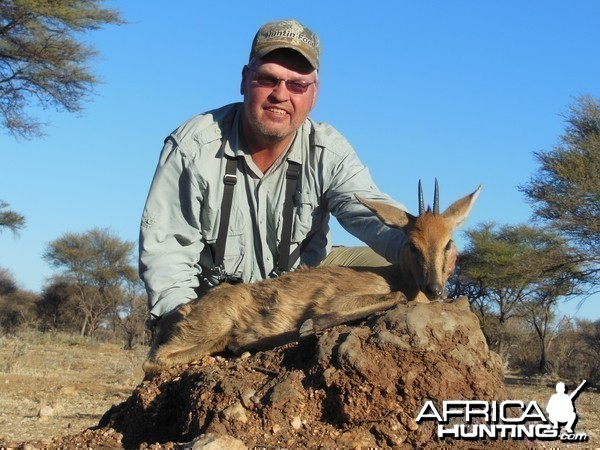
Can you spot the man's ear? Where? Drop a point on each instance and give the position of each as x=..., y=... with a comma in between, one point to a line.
x=314, y=99
x=243, y=82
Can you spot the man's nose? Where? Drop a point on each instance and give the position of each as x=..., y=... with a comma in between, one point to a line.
x=280, y=91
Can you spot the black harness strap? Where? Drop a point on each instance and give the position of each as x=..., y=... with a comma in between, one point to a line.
x=296, y=253
x=229, y=180
x=291, y=180
x=286, y=261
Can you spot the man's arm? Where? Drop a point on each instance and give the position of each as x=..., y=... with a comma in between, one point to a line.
x=349, y=177
x=170, y=237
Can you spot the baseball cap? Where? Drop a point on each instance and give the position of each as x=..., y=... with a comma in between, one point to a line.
x=287, y=34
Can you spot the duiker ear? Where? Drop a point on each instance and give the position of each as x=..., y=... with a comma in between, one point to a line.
x=389, y=215
x=458, y=211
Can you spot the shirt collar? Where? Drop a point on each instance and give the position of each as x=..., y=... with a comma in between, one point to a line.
x=232, y=145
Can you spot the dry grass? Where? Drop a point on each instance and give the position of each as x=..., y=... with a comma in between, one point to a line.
x=587, y=405
x=77, y=378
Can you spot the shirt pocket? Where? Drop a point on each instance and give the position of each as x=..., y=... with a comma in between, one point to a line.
x=234, y=254
x=235, y=250
x=306, y=214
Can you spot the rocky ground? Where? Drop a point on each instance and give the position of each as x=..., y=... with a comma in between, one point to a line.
x=358, y=385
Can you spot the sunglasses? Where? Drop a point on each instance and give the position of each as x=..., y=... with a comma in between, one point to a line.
x=267, y=81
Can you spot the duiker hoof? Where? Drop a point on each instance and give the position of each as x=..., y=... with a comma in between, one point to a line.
x=307, y=328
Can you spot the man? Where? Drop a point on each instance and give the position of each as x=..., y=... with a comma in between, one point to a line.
x=560, y=407
x=265, y=139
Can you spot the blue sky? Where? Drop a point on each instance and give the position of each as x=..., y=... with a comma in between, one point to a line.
x=464, y=91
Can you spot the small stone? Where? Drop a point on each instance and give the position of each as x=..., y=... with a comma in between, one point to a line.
x=208, y=361
x=68, y=390
x=329, y=375
x=212, y=441
x=45, y=412
x=412, y=425
x=248, y=398
x=235, y=412
x=296, y=423
x=283, y=392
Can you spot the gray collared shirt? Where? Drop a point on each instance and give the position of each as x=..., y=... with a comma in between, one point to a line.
x=181, y=217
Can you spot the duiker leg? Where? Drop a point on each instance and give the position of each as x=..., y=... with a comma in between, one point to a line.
x=205, y=329
x=347, y=308
x=183, y=352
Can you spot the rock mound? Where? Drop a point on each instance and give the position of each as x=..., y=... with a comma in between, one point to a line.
x=353, y=386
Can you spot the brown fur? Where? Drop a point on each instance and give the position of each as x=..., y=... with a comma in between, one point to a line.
x=270, y=312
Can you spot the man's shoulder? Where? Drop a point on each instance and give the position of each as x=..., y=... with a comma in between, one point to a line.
x=205, y=127
x=328, y=138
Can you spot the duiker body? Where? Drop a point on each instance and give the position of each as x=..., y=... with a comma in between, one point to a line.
x=257, y=315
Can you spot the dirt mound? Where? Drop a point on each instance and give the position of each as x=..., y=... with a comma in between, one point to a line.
x=352, y=386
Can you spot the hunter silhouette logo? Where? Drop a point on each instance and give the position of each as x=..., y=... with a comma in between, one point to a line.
x=509, y=419
x=561, y=409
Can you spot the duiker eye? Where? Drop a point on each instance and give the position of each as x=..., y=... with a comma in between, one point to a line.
x=449, y=245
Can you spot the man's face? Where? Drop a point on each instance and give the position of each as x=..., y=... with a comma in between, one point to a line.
x=271, y=114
